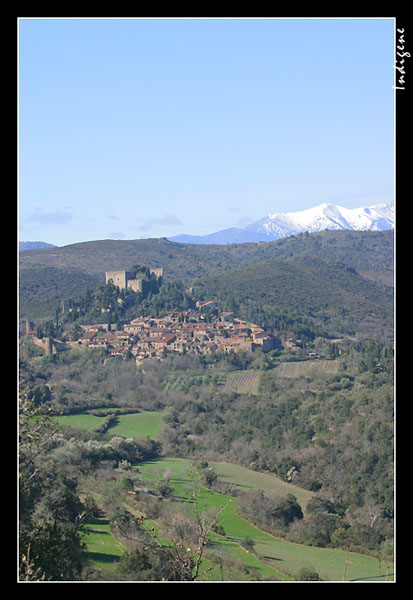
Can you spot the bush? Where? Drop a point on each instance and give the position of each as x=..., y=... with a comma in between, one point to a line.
x=109, y=421
x=149, y=565
x=308, y=574
x=248, y=543
x=273, y=512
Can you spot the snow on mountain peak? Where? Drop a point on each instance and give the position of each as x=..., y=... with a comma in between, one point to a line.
x=326, y=216
x=317, y=218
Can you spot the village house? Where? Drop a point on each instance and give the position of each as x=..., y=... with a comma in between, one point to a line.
x=226, y=316
x=264, y=340
x=207, y=304
x=179, y=346
x=87, y=336
x=134, y=329
x=162, y=341
x=119, y=352
x=99, y=343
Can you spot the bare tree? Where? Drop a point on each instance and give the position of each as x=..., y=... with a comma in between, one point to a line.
x=183, y=560
x=374, y=511
x=205, y=524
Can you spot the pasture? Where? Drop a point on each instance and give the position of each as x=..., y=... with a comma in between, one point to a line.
x=135, y=425
x=102, y=548
x=139, y=425
x=244, y=479
x=272, y=556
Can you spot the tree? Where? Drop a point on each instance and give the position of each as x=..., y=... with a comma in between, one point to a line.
x=273, y=512
x=50, y=513
x=182, y=562
x=285, y=511
x=208, y=475
x=147, y=565
x=248, y=543
x=320, y=527
x=164, y=489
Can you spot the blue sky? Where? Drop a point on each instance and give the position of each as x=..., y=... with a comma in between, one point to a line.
x=133, y=128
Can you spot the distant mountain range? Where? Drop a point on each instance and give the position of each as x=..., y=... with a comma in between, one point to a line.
x=33, y=246
x=278, y=225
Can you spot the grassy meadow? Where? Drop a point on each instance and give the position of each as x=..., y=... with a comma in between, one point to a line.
x=102, y=548
x=244, y=479
x=138, y=425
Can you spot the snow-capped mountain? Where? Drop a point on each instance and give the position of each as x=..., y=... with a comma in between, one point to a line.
x=318, y=218
x=326, y=216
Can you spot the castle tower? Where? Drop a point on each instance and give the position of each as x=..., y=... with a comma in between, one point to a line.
x=136, y=285
x=118, y=278
x=158, y=272
x=48, y=344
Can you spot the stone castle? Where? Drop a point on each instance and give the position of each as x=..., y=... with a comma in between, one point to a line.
x=48, y=344
x=121, y=279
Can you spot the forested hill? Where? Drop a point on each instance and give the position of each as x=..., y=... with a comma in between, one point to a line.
x=49, y=274
x=320, y=297
x=362, y=250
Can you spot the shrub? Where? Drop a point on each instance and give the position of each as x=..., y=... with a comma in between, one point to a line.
x=308, y=574
x=273, y=512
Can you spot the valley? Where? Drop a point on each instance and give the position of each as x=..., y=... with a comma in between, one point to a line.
x=206, y=299
x=271, y=558
x=263, y=377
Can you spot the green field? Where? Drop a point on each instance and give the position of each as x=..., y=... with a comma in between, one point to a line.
x=138, y=425
x=182, y=478
x=245, y=479
x=102, y=548
x=273, y=556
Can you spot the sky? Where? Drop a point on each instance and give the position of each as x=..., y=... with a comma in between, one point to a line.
x=152, y=127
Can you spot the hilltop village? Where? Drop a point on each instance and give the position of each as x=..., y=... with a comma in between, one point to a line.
x=177, y=332
x=203, y=330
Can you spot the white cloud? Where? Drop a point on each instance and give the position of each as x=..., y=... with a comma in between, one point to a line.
x=147, y=224
x=55, y=218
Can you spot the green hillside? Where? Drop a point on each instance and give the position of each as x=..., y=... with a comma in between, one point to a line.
x=359, y=249
x=328, y=298
x=49, y=274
